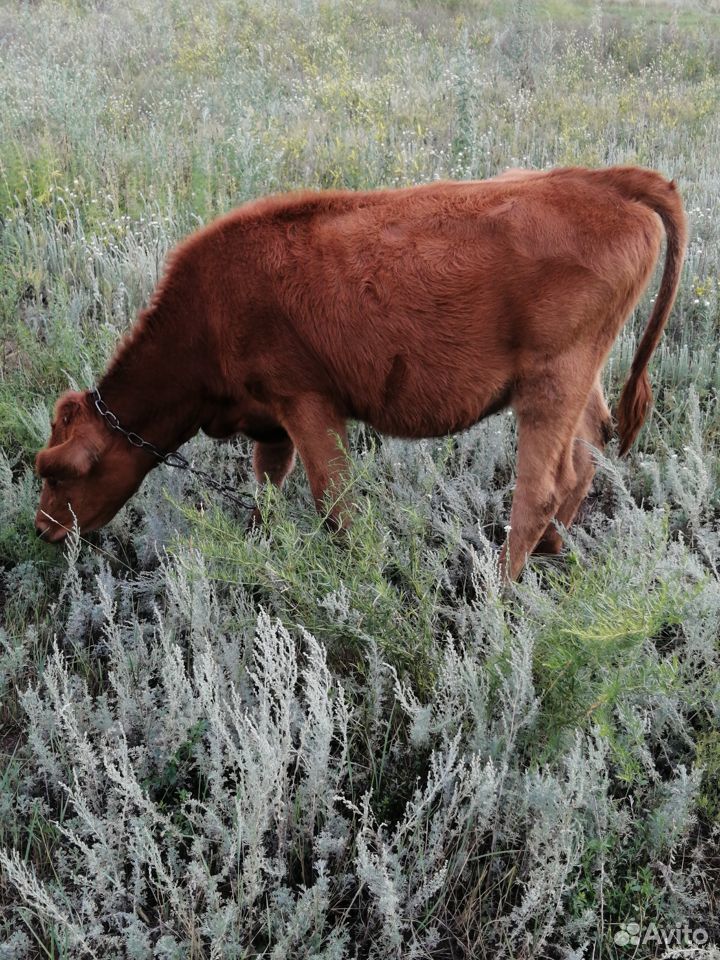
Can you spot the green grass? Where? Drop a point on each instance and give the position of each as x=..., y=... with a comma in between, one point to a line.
x=344, y=592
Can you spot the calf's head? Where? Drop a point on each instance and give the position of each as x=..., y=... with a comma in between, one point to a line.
x=89, y=471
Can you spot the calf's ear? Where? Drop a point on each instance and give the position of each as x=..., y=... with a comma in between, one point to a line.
x=71, y=406
x=77, y=442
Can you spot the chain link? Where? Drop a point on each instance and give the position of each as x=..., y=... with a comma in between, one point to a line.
x=173, y=459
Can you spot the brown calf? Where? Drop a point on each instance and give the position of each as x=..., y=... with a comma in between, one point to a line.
x=419, y=311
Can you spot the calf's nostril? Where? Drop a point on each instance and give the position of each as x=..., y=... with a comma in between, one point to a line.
x=39, y=532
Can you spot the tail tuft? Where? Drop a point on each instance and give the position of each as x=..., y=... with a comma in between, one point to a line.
x=632, y=409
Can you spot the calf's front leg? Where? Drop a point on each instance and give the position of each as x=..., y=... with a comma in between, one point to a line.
x=319, y=434
x=272, y=463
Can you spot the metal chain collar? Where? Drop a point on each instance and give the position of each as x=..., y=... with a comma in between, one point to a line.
x=173, y=459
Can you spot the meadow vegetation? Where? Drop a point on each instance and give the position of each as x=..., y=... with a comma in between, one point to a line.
x=285, y=746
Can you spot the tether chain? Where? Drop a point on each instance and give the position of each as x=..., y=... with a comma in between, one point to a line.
x=173, y=459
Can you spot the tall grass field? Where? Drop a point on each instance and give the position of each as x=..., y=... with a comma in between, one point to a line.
x=294, y=747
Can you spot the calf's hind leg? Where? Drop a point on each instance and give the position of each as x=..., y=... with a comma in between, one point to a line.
x=594, y=428
x=548, y=411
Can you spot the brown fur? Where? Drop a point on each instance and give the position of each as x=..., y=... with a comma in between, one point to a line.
x=419, y=311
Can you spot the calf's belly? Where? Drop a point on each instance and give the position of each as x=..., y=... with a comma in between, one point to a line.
x=436, y=411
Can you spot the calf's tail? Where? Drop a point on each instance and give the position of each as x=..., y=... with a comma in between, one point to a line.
x=661, y=195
